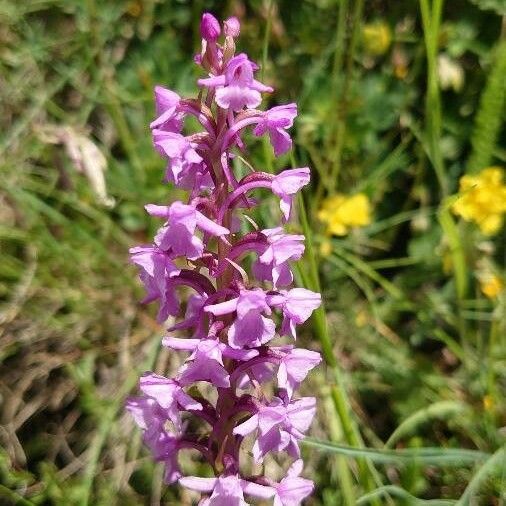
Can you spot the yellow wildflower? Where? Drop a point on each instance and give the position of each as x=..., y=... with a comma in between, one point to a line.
x=340, y=213
x=491, y=286
x=326, y=248
x=482, y=199
x=376, y=37
x=362, y=318
x=488, y=402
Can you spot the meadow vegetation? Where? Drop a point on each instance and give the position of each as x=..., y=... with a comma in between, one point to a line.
x=401, y=119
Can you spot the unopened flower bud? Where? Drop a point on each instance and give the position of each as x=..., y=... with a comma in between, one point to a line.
x=209, y=27
x=232, y=27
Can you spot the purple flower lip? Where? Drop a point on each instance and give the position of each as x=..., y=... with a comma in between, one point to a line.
x=231, y=317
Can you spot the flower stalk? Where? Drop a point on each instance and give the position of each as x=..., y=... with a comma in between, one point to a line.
x=232, y=318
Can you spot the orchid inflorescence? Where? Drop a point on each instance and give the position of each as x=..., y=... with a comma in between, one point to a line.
x=230, y=317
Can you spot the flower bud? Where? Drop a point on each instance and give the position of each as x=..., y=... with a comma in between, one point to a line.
x=209, y=27
x=232, y=27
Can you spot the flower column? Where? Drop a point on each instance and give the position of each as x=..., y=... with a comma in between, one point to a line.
x=232, y=317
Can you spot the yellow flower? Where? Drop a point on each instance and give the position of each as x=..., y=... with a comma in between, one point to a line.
x=376, y=37
x=482, y=199
x=491, y=286
x=488, y=402
x=362, y=318
x=340, y=213
x=326, y=248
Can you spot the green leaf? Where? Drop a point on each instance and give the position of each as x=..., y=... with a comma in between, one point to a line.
x=495, y=464
x=451, y=457
x=394, y=491
x=489, y=117
x=442, y=410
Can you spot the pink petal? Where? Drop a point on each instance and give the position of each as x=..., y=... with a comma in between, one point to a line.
x=254, y=489
x=210, y=226
x=229, y=306
x=178, y=343
x=198, y=484
x=247, y=427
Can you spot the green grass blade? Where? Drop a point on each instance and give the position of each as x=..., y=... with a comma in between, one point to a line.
x=394, y=491
x=396, y=160
x=366, y=269
x=431, y=20
x=438, y=410
x=458, y=258
x=451, y=457
x=496, y=463
x=338, y=391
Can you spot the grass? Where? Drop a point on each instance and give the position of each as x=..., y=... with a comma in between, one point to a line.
x=412, y=394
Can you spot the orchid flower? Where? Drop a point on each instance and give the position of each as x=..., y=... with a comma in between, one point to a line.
x=228, y=323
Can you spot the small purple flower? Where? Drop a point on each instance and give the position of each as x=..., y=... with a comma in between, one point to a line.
x=226, y=490
x=250, y=328
x=185, y=164
x=146, y=412
x=168, y=119
x=206, y=364
x=155, y=262
x=237, y=88
x=275, y=121
x=194, y=316
x=286, y=184
x=156, y=271
x=206, y=361
x=279, y=426
x=294, y=367
x=164, y=446
x=272, y=265
x=169, y=395
x=292, y=489
x=178, y=235
x=297, y=305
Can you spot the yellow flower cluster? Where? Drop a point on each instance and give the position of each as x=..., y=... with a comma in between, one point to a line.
x=482, y=199
x=376, y=38
x=340, y=213
x=491, y=286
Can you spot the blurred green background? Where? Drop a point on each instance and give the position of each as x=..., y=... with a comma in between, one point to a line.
x=397, y=102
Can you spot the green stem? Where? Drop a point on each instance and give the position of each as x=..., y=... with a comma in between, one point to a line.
x=337, y=67
x=431, y=21
x=338, y=390
x=340, y=131
x=459, y=268
x=265, y=53
x=494, y=465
